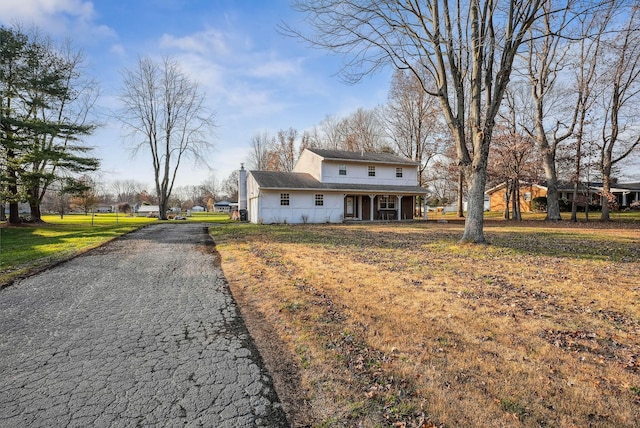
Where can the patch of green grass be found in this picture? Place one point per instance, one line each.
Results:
(210, 218)
(303, 354)
(31, 246)
(28, 247)
(513, 407)
(98, 219)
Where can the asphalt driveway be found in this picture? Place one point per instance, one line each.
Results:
(142, 331)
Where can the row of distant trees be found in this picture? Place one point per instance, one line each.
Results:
(124, 195)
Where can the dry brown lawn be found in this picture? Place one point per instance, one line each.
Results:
(399, 325)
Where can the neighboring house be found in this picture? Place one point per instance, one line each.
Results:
(222, 207)
(528, 192)
(331, 186)
(148, 210)
(453, 207)
(104, 209)
(625, 194)
(197, 209)
(225, 207)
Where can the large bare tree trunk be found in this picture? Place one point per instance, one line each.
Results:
(507, 199)
(553, 205)
(460, 193)
(606, 193)
(474, 223)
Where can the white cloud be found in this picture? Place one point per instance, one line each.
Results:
(58, 17)
(204, 43)
(45, 13)
(276, 68)
(117, 49)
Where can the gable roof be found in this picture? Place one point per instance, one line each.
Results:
(522, 184)
(276, 180)
(369, 157)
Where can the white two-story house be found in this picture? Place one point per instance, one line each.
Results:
(331, 186)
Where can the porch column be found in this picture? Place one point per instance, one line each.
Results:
(371, 197)
(624, 199)
(399, 207)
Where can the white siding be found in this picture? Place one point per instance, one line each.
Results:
(301, 208)
(253, 202)
(310, 163)
(358, 173)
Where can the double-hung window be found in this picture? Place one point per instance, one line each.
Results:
(284, 199)
(399, 172)
(372, 171)
(386, 202)
(319, 200)
(342, 169)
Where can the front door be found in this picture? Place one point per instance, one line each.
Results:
(350, 207)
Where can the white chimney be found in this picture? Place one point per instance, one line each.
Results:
(242, 188)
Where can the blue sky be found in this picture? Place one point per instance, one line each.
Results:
(255, 79)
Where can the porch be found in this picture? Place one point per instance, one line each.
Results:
(382, 207)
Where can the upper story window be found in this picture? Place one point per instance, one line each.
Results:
(284, 199)
(527, 196)
(372, 171)
(399, 172)
(319, 200)
(342, 169)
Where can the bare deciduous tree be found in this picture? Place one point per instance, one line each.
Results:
(331, 132)
(619, 101)
(362, 132)
(458, 48)
(592, 29)
(513, 155)
(282, 151)
(126, 190)
(166, 115)
(414, 121)
(230, 186)
(258, 155)
(546, 55)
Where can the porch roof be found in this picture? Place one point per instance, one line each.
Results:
(273, 180)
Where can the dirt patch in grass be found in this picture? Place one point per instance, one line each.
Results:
(399, 325)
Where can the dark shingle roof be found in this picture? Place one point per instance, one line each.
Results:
(288, 180)
(342, 155)
(304, 181)
(627, 186)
